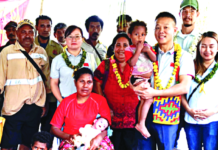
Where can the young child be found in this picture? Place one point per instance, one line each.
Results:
(140, 55)
(87, 134)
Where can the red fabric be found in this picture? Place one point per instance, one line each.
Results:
(128, 55)
(85, 64)
(76, 115)
(123, 102)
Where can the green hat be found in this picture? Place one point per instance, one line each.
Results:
(193, 3)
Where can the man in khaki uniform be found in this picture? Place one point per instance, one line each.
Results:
(25, 92)
(43, 26)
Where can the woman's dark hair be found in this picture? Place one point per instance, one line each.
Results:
(167, 15)
(93, 19)
(119, 35)
(70, 29)
(137, 23)
(42, 137)
(82, 71)
(199, 66)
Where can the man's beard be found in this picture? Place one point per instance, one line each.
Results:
(187, 25)
(44, 38)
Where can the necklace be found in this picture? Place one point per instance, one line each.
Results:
(118, 77)
(192, 48)
(207, 78)
(68, 63)
(157, 79)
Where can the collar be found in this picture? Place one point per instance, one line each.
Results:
(168, 52)
(84, 40)
(38, 43)
(18, 47)
(193, 33)
(68, 54)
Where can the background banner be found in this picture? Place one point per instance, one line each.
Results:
(10, 10)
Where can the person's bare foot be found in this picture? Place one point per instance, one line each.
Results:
(143, 130)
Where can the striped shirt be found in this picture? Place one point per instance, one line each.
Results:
(23, 84)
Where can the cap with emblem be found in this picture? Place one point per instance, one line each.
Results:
(192, 3)
(10, 24)
(25, 22)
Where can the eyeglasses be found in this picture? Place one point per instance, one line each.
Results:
(185, 12)
(77, 37)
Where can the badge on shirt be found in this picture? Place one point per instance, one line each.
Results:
(172, 64)
(86, 64)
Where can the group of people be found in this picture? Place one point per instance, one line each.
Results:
(145, 94)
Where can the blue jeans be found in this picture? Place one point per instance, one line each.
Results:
(165, 135)
(197, 134)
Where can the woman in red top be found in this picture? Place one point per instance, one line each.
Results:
(121, 98)
(79, 109)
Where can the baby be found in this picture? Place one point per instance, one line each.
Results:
(140, 56)
(86, 134)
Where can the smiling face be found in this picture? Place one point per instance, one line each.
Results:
(208, 49)
(165, 30)
(138, 35)
(100, 124)
(189, 16)
(74, 40)
(84, 85)
(119, 49)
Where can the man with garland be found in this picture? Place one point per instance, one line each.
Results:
(43, 26)
(94, 26)
(25, 92)
(173, 72)
(188, 36)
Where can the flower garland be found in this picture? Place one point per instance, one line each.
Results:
(157, 79)
(207, 78)
(192, 49)
(118, 77)
(67, 61)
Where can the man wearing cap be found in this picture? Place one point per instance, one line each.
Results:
(11, 33)
(94, 26)
(43, 26)
(188, 36)
(59, 31)
(25, 92)
(123, 24)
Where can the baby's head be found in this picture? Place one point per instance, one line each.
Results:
(100, 124)
(137, 31)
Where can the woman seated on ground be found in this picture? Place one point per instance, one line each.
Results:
(201, 103)
(79, 109)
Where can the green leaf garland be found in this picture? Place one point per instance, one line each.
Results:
(79, 65)
(209, 76)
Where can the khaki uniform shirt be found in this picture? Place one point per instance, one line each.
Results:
(23, 84)
(52, 49)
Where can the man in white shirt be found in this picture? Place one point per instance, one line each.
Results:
(188, 36)
(94, 26)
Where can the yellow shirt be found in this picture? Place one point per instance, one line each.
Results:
(23, 84)
(52, 49)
